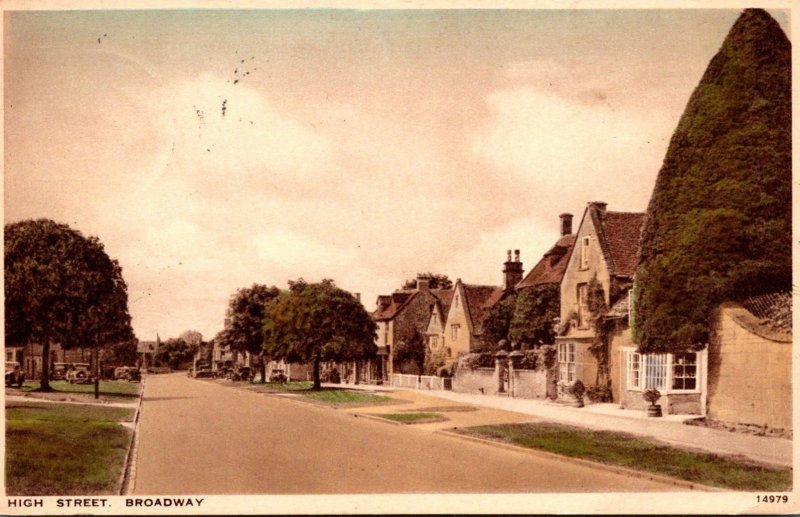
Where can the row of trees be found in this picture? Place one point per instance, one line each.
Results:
(309, 322)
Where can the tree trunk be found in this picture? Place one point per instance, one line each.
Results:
(44, 384)
(262, 366)
(96, 372)
(317, 383)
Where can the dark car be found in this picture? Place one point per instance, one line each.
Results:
(79, 374)
(59, 372)
(277, 376)
(14, 374)
(127, 373)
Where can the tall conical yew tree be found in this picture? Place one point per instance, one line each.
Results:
(719, 221)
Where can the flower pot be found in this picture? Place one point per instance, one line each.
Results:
(654, 410)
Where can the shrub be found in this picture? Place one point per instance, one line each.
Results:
(476, 360)
(599, 394)
(530, 361)
(651, 395)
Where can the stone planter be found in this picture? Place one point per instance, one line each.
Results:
(654, 410)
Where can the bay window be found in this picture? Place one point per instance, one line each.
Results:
(665, 372)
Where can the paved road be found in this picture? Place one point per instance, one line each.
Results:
(199, 437)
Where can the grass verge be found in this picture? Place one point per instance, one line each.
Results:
(414, 418)
(338, 397)
(110, 389)
(64, 449)
(636, 453)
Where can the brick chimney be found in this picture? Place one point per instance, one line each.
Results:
(423, 284)
(599, 205)
(512, 271)
(566, 224)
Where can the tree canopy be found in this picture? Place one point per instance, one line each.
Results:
(435, 281)
(535, 313)
(318, 322)
(61, 288)
(719, 220)
(244, 320)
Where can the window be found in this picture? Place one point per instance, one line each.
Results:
(566, 362)
(455, 301)
(684, 371)
(655, 366)
(583, 306)
(434, 341)
(585, 253)
(454, 331)
(634, 370)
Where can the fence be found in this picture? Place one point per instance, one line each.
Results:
(421, 382)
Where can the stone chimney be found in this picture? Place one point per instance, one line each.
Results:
(512, 271)
(423, 284)
(599, 205)
(358, 296)
(566, 224)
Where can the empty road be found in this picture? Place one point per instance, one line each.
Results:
(200, 437)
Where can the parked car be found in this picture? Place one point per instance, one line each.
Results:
(277, 376)
(127, 373)
(240, 373)
(79, 374)
(14, 374)
(59, 372)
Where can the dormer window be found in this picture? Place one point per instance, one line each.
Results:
(585, 253)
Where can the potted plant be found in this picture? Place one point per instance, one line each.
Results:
(577, 389)
(652, 395)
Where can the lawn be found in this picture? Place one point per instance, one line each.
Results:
(414, 418)
(64, 449)
(633, 452)
(112, 389)
(337, 397)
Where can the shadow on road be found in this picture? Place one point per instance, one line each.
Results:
(158, 399)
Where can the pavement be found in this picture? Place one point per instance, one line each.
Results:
(200, 437)
(609, 417)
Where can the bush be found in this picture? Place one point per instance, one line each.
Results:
(479, 360)
(599, 394)
(652, 395)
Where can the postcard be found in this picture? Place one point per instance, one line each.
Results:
(426, 258)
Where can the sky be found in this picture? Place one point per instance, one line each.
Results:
(209, 150)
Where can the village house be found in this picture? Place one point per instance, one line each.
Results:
(462, 329)
(30, 357)
(606, 249)
(403, 317)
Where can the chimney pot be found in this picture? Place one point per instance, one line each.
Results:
(516, 255)
(358, 296)
(566, 224)
(509, 255)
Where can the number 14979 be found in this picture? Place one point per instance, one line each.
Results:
(772, 498)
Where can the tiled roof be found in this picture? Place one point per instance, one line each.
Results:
(479, 299)
(550, 269)
(775, 309)
(619, 234)
(444, 298)
(390, 305)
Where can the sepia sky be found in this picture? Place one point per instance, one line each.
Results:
(209, 150)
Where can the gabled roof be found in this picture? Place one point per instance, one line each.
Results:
(619, 234)
(478, 300)
(146, 347)
(390, 305)
(550, 269)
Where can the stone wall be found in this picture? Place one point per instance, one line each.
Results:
(749, 371)
(529, 384)
(477, 381)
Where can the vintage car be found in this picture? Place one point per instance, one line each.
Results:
(277, 376)
(79, 374)
(127, 373)
(14, 374)
(59, 371)
(240, 373)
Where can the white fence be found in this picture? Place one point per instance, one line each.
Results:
(421, 382)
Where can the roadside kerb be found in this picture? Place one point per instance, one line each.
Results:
(588, 463)
(377, 419)
(128, 477)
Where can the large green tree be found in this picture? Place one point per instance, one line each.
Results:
(61, 288)
(719, 221)
(535, 312)
(244, 321)
(318, 322)
(175, 353)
